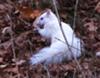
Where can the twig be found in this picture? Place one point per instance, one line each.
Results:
(55, 7)
(27, 74)
(74, 73)
(46, 68)
(12, 42)
(30, 44)
(68, 44)
(25, 22)
(75, 13)
(74, 26)
(74, 22)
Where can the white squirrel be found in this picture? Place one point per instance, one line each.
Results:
(47, 26)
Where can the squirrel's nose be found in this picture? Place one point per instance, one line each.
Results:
(40, 26)
(36, 32)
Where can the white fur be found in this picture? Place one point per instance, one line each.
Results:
(58, 50)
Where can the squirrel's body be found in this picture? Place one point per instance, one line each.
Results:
(48, 26)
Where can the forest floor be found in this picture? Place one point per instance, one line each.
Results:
(18, 41)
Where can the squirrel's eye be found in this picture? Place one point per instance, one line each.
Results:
(41, 18)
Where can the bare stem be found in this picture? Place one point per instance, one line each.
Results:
(56, 10)
(13, 47)
(46, 68)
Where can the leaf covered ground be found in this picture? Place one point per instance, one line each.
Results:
(18, 41)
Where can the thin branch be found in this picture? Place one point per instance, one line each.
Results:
(56, 10)
(30, 44)
(55, 7)
(75, 14)
(74, 26)
(68, 44)
(13, 46)
(48, 73)
(74, 22)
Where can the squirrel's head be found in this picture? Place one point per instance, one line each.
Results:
(43, 23)
(46, 17)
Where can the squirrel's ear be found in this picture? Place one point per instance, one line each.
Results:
(48, 11)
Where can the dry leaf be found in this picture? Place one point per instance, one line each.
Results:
(20, 62)
(2, 7)
(1, 59)
(3, 66)
(6, 45)
(98, 54)
(6, 30)
(2, 52)
(97, 8)
(11, 69)
(27, 12)
(91, 26)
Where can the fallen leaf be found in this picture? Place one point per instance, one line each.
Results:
(11, 69)
(90, 26)
(2, 7)
(20, 62)
(27, 12)
(97, 8)
(98, 54)
(1, 59)
(3, 66)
